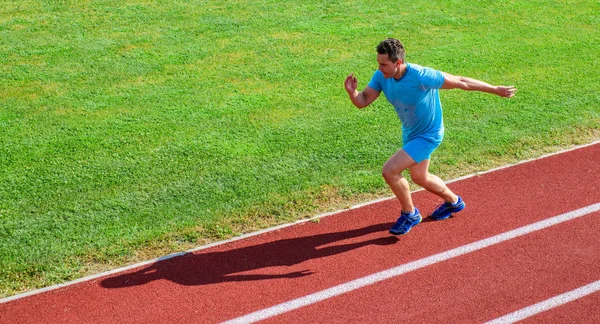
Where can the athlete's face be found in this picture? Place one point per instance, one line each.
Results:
(387, 67)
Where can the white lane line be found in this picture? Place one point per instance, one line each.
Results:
(548, 304)
(408, 267)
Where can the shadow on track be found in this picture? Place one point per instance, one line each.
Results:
(215, 267)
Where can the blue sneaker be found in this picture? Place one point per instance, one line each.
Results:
(405, 222)
(446, 209)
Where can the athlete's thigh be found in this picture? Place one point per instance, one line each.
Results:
(398, 162)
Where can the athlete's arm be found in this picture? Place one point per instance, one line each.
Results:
(468, 84)
(363, 98)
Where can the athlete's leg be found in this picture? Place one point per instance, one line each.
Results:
(420, 175)
(392, 173)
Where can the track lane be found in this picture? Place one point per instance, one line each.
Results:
(475, 287)
(583, 310)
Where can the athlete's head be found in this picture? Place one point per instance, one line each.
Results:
(393, 48)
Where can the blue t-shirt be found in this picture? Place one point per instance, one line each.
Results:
(416, 99)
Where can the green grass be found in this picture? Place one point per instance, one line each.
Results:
(130, 129)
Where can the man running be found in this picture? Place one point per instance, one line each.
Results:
(413, 91)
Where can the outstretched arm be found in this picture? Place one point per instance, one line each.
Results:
(359, 99)
(468, 84)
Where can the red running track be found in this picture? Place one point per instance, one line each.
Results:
(245, 276)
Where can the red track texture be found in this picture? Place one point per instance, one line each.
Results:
(240, 277)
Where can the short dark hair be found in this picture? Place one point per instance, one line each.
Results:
(393, 48)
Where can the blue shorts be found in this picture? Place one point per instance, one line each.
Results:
(420, 148)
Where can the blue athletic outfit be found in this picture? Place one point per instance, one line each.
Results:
(416, 99)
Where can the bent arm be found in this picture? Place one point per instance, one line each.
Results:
(359, 99)
(363, 98)
(468, 84)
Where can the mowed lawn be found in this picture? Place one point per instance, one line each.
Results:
(133, 129)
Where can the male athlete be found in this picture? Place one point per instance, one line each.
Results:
(413, 91)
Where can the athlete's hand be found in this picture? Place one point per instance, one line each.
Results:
(506, 92)
(351, 83)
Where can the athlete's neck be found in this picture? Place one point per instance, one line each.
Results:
(401, 71)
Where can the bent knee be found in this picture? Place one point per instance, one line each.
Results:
(386, 173)
(390, 173)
